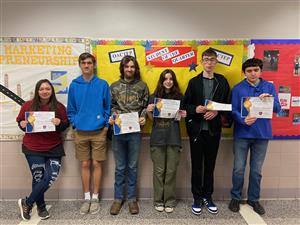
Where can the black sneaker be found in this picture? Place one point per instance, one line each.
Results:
(256, 207)
(234, 205)
(210, 205)
(24, 209)
(43, 212)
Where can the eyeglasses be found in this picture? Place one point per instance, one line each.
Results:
(213, 60)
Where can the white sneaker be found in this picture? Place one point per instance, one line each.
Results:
(169, 209)
(159, 208)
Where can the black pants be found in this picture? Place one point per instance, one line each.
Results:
(204, 152)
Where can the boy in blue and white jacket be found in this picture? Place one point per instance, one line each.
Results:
(250, 133)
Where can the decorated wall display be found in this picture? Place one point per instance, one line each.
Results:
(282, 67)
(183, 57)
(23, 62)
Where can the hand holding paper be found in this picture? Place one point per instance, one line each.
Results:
(23, 123)
(142, 121)
(150, 107)
(249, 120)
(264, 95)
(200, 109)
(55, 121)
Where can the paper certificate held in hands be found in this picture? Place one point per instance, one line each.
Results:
(211, 105)
(257, 107)
(39, 122)
(126, 123)
(165, 108)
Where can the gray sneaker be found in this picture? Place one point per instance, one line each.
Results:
(85, 208)
(94, 208)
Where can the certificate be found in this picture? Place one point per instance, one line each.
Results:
(39, 122)
(211, 105)
(126, 123)
(165, 108)
(256, 107)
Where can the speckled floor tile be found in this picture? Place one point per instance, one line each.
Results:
(282, 212)
(67, 212)
(9, 212)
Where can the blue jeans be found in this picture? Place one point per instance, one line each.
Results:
(126, 148)
(44, 172)
(258, 149)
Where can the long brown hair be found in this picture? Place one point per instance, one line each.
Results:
(36, 102)
(126, 59)
(160, 91)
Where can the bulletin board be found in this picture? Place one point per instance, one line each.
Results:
(281, 66)
(182, 56)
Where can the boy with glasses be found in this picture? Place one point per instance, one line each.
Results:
(204, 129)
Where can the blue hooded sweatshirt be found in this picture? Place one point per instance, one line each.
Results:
(261, 128)
(88, 104)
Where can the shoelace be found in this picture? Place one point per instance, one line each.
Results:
(208, 202)
(27, 208)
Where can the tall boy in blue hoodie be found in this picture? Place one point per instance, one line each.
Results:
(251, 134)
(88, 111)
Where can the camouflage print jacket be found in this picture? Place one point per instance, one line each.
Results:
(129, 97)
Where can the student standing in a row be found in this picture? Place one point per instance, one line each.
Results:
(165, 144)
(204, 129)
(128, 94)
(43, 150)
(250, 135)
(88, 110)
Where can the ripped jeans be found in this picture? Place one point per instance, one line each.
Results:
(44, 172)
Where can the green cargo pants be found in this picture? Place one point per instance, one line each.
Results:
(165, 161)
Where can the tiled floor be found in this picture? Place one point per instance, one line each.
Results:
(285, 212)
